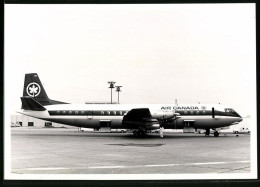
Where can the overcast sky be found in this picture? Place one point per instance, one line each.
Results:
(158, 53)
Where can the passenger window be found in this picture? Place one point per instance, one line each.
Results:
(82, 112)
(58, 112)
(76, 112)
(108, 112)
(102, 113)
(70, 112)
(121, 113)
(64, 112)
(198, 112)
(204, 112)
(185, 112)
(191, 112)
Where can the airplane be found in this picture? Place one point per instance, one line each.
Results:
(138, 118)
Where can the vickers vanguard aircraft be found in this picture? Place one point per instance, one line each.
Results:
(140, 119)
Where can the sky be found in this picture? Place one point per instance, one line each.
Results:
(193, 53)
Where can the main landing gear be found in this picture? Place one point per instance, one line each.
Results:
(143, 132)
(207, 132)
(139, 132)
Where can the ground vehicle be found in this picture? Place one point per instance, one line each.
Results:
(118, 130)
(242, 130)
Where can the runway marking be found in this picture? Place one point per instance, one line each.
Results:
(136, 166)
(167, 165)
(108, 167)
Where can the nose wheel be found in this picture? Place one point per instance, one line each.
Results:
(216, 133)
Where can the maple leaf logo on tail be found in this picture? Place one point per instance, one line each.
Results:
(33, 89)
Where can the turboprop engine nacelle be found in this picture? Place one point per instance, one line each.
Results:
(159, 114)
(149, 124)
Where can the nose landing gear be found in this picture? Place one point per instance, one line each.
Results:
(216, 133)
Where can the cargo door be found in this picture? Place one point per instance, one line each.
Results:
(105, 125)
(188, 126)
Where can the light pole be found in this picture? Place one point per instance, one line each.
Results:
(118, 90)
(111, 85)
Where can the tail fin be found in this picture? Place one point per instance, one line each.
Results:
(34, 88)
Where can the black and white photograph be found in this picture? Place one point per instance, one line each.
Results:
(130, 91)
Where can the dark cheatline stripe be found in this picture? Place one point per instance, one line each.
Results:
(122, 112)
(87, 112)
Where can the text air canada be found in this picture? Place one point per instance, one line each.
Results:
(182, 108)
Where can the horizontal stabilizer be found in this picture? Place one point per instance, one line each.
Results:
(28, 103)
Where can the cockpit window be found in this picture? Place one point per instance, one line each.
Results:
(229, 110)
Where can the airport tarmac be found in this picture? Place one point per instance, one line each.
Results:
(69, 151)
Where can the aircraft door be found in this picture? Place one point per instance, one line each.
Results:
(188, 126)
(105, 125)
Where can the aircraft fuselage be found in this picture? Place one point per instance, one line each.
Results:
(111, 115)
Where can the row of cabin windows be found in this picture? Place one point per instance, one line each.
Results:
(194, 112)
(114, 112)
(92, 112)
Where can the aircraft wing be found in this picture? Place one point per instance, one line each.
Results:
(138, 114)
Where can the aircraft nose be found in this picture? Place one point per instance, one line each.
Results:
(237, 115)
(240, 119)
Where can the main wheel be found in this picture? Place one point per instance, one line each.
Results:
(142, 133)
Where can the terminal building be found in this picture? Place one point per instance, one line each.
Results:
(26, 121)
